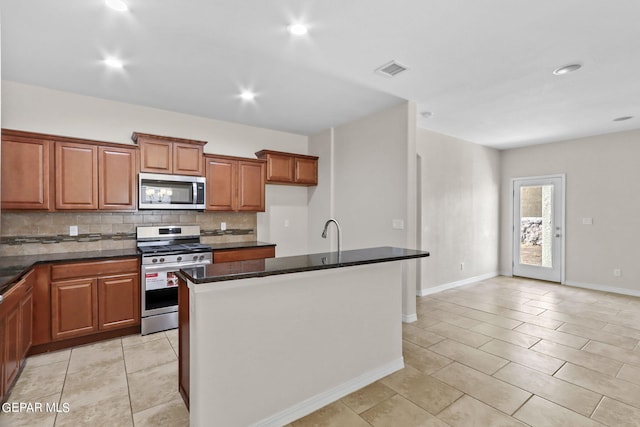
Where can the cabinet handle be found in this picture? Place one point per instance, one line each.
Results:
(1, 299)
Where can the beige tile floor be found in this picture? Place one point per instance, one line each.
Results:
(501, 352)
(507, 352)
(130, 381)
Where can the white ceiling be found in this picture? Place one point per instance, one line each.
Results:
(484, 68)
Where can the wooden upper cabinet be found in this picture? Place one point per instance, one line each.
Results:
(117, 178)
(279, 168)
(163, 154)
(26, 172)
(290, 168)
(76, 176)
(187, 159)
(156, 156)
(251, 180)
(306, 171)
(222, 183)
(235, 184)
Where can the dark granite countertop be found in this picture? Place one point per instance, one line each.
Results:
(12, 267)
(239, 245)
(295, 264)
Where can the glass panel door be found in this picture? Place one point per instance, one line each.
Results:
(537, 230)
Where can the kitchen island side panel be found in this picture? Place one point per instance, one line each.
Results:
(266, 351)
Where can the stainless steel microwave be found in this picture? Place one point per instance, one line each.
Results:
(158, 191)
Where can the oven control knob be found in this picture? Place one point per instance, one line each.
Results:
(154, 260)
(161, 259)
(179, 259)
(195, 257)
(201, 257)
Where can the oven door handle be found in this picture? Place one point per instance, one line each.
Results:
(159, 268)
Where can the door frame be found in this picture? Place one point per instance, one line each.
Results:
(562, 220)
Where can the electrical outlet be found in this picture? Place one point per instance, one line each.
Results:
(223, 226)
(587, 221)
(617, 272)
(73, 230)
(286, 222)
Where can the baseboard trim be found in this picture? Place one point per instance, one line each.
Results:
(451, 285)
(322, 399)
(506, 273)
(409, 318)
(604, 288)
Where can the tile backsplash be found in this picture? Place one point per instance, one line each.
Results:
(32, 233)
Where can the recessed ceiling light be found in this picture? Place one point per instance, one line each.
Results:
(298, 29)
(247, 95)
(113, 62)
(426, 114)
(118, 5)
(622, 119)
(566, 69)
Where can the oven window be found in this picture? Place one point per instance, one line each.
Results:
(161, 298)
(166, 193)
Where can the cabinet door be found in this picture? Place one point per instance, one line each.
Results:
(12, 353)
(74, 308)
(156, 156)
(25, 168)
(119, 300)
(26, 321)
(2, 350)
(279, 168)
(221, 184)
(76, 176)
(251, 186)
(306, 171)
(187, 159)
(117, 178)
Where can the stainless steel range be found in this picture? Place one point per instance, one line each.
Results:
(165, 250)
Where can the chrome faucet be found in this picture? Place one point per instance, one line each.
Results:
(324, 232)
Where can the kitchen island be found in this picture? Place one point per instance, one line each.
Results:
(265, 342)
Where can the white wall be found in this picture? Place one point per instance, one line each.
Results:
(602, 183)
(370, 173)
(460, 198)
(320, 197)
(37, 109)
(369, 181)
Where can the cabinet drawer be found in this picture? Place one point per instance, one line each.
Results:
(243, 254)
(93, 269)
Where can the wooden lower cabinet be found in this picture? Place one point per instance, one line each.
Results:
(16, 314)
(119, 301)
(3, 345)
(12, 356)
(74, 308)
(183, 341)
(92, 297)
(243, 254)
(26, 322)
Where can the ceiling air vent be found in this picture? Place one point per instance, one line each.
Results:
(391, 69)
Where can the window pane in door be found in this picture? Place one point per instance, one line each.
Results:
(536, 225)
